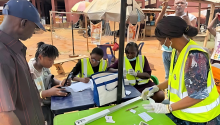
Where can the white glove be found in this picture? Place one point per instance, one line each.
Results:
(148, 92)
(124, 72)
(157, 108)
(132, 72)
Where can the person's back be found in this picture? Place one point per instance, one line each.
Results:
(20, 104)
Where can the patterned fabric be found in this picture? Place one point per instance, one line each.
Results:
(196, 71)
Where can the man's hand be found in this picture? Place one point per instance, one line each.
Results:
(9, 118)
(186, 18)
(165, 4)
(85, 80)
(217, 14)
(55, 91)
(68, 83)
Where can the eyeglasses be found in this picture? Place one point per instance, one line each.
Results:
(180, 3)
(94, 60)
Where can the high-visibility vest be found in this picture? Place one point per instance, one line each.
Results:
(86, 67)
(140, 61)
(203, 111)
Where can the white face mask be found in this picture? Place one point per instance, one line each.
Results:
(165, 47)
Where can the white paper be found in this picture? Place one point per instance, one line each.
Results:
(80, 86)
(145, 116)
(133, 111)
(109, 119)
(127, 92)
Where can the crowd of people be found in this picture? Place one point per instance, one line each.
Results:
(25, 90)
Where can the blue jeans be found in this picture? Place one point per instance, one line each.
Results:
(166, 62)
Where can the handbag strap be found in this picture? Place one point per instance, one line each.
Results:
(48, 81)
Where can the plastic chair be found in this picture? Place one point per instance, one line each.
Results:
(107, 56)
(140, 47)
(155, 79)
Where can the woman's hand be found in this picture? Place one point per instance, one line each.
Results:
(148, 92)
(55, 91)
(68, 83)
(157, 108)
(132, 72)
(85, 80)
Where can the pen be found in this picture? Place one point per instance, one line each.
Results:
(132, 108)
(151, 88)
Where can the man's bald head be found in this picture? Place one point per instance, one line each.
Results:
(180, 6)
(17, 27)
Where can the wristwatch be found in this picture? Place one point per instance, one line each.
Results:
(170, 108)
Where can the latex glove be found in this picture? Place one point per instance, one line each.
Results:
(124, 72)
(157, 108)
(132, 72)
(148, 92)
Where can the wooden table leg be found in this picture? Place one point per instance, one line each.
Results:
(59, 69)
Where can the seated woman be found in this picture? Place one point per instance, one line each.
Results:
(137, 70)
(88, 66)
(39, 68)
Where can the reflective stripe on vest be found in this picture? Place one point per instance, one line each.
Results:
(87, 70)
(203, 111)
(138, 68)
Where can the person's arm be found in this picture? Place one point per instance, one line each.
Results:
(165, 4)
(76, 70)
(163, 85)
(7, 106)
(210, 26)
(113, 67)
(143, 75)
(146, 70)
(185, 103)
(54, 91)
(56, 81)
(193, 22)
(196, 86)
(9, 118)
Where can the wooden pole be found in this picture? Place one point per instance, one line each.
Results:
(210, 19)
(51, 27)
(199, 17)
(87, 33)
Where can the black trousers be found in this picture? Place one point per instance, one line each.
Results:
(48, 114)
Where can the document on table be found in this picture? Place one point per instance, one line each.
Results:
(80, 86)
(145, 116)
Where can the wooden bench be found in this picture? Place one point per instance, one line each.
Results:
(59, 62)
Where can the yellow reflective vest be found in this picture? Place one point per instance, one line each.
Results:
(203, 111)
(140, 61)
(86, 67)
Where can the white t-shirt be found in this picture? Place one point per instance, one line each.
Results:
(191, 18)
(216, 52)
(38, 77)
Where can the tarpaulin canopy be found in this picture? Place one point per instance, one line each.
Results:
(110, 10)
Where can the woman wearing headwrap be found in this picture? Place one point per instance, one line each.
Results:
(194, 99)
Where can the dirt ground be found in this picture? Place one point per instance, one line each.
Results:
(62, 39)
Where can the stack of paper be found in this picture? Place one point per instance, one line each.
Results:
(80, 86)
(145, 116)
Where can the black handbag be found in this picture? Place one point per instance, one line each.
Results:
(48, 83)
